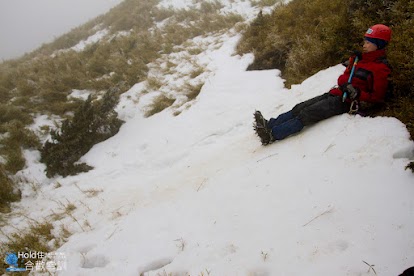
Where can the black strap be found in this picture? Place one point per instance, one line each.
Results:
(384, 60)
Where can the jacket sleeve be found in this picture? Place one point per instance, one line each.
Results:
(375, 91)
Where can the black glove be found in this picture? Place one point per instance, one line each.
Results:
(346, 63)
(354, 54)
(358, 54)
(352, 92)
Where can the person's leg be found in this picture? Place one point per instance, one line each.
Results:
(310, 112)
(325, 108)
(261, 128)
(287, 128)
(284, 117)
(301, 106)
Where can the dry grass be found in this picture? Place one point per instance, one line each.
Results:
(36, 238)
(160, 103)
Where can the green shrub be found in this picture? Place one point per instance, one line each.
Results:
(306, 59)
(139, 15)
(270, 48)
(26, 88)
(7, 193)
(93, 122)
(401, 49)
(14, 159)
(9, 113)
(16, 138)
(299, 38)
(410, 166)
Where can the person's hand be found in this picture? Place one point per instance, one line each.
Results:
(352, 92)
(350, 62)
(357, 54)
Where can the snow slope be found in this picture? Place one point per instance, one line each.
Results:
(196, 194)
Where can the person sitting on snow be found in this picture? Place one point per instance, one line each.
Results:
(365, 81)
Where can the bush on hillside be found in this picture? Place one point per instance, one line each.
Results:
(16, 138)
(304, 36)
(138, 15)
(93, 122)
(10, 113)
(401, 49)
(410, 166)
(7, 193)
(37, 237)
(299, 38)
(160, 103)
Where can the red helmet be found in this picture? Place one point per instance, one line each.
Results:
(379, 31)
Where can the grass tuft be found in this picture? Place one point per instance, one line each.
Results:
(36, 238)
(160, 103)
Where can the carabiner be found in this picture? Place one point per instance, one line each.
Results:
(354, 107)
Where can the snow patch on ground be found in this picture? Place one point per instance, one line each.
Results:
(197, 193)
(79, 94)
(90, 40)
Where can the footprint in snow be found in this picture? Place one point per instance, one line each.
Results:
(95, 261)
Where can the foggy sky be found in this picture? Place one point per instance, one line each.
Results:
(26, 24)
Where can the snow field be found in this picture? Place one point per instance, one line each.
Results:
(196, 194)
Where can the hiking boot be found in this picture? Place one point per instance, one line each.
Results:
(262, 130)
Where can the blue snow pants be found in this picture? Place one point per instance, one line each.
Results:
(307, 113)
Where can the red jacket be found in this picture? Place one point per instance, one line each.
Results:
(370, 77)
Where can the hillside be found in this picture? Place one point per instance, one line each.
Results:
(190, 190)
(112, 52)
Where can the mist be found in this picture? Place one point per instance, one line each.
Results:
(26, 24)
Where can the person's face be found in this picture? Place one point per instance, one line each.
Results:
(368, 46)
